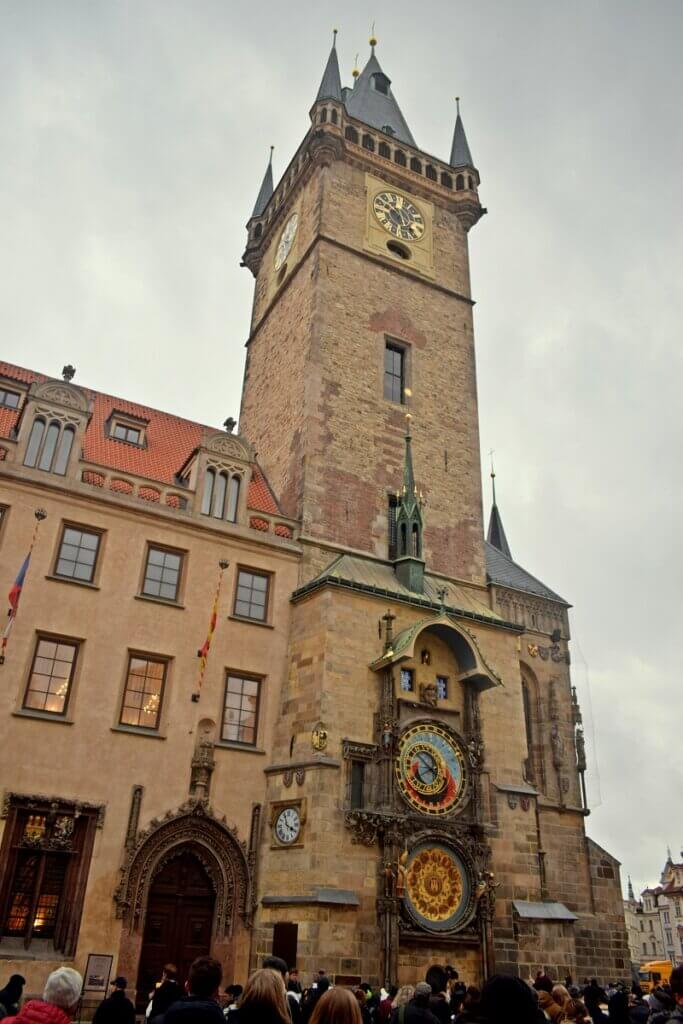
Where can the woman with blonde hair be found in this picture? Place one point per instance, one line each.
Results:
(337, 1006)
(403, 996)
(263, 1000)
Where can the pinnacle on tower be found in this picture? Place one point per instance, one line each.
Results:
(409, 563)
(372, 101)
(460, 151)
(266, 190)
(630, 890)
(330, 86)
(496, 533)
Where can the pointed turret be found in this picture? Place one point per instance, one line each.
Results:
(496, 533)
(460, 151)
(372, 101)
(409, 563)
(330, 87)
(631, 895)
(266, 190)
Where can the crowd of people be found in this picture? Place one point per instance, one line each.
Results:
(274, 995)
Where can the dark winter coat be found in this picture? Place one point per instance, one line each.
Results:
(117, 1009)
(193, 1010)
(413, 1014)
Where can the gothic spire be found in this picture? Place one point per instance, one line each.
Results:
(630, 890)
(409, 563)
(372, 101)
(460, 151)
(496, 533)
(330, 86)
(266, 190)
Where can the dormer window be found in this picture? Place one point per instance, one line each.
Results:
(122, 432)
(221, 494)
(9, 399)
(49, 446)
(127, 428)
(380, 83)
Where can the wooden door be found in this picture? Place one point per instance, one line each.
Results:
(178, 924)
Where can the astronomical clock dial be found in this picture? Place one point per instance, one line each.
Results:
(430, 769)
(398, 216)
(286, 240)
(288, 826)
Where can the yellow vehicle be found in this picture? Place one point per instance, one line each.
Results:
(654, 973)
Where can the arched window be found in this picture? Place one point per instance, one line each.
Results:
(335, 116)
(369, 143)
(404, 540)
(470, 181)
(49, 446)
(415, 165)
(459, 183)
(233, 498)
(528, 723)
(208, 492)
(416, 541)
(33, 446)
(258, 230)
(219, 496)
(323, 114)
(400, 158)
(64, 450)
(446, 180)
(431, 172)
(351, 134)
(384, 150)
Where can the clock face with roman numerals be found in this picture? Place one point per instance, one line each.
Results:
(288, 825)
(398, 216)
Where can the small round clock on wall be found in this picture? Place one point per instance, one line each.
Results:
(286, 241)
(288, 826)
(398, 216)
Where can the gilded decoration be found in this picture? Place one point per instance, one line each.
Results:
(437, 889)
(430, 769)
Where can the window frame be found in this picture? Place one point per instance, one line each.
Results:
(269, 577)
(60, 454)
(147, 656)
(94, 531)
(248, 677)
(411, 689)
(43, 712)
(166, 550)
(5, 390)
(392, 344)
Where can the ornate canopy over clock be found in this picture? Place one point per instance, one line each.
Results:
(288, 826)
(286, 240)
(430, 769)
(398, 215)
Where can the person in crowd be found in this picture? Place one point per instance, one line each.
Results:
(552, 1010)
(232, 998)
(417, 1010)
(437, 979)
(675, 1016)
(337, 1006)
(509, 1000)
(638, 1009)
(560, 994)
(11, 994)
(469, 1013)
(362, 1000)
(403, 996)
(617, 1008)
(660, 1001)
(594, 998)
(276, 963)
(316, 993)
(594, 992)
(542, 982)
(385, 1005)
(455, 986)
(575, 1010)
(200, 1005)
(61, 997)
(168, 991)
(294, 985)
(263, 1001)
(116, 1008)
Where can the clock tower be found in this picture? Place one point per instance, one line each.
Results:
(424, 798)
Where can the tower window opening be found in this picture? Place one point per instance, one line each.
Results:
(459, 183)
(446, 180)
(323, 114)
(399, 250)
(431, 172)
(400, 158)
(470, 181)
(384, 150)
(258, 230)
(351, 134)
(415, 541)
(369, 143)
(415, 165)
(334, 116)
(380, 83)
(394, 373)
(404, 541)
(357, 785)
(392, 505)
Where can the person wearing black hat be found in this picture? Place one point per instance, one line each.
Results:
(10, 995)
(116, 1008)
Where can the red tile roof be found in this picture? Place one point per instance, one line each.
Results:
(170, 440)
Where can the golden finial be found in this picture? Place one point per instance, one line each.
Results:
(373, 37)
(355, 71)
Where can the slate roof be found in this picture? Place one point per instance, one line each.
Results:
(170, 440)
(330, 86)
(501, 569)
(373, 108)
(266, 190)
(460, 151)
(496, 533)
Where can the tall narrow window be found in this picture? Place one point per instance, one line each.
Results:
(394, 373)
(162, 573)
(407, 680)
(51, 675)
(64, 451)
(357, 784)
(233, 498)
(34, 442)
(251, 599)
(220, 487)
(240, 709)
(442, 687)
(77, 554)
(207, 499)
(391, 526)
(49, 446)
(49, 449)
(144, 692)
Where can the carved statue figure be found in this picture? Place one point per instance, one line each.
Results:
(580, 750)
(429, 694)
(557, 744)
(401, 874)
(390, 876)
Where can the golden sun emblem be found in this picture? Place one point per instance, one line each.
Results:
(434, 884)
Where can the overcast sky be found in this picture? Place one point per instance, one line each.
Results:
(133, 137)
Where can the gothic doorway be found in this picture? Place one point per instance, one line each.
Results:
(178, 922)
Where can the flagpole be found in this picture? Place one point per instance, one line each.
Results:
(39, 514)
(203, 652)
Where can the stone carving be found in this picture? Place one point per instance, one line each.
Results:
(553, 652)
(195, 827)
(324, 148)
(287, 777)
(359, 751)
(134, 816)
(512, 801)
(580, 750)
(228, 444)
(525, 802)
(553, 707)
(319, 737)
(429, 694)
(475, 751)
(30, 801)
(300, 775)
(203, 762)
(557, 745)
(62, 393)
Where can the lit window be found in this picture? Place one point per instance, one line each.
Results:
(394, 373)
(442, 687)
(141, 706)
(9, 399)
(407, 680)
(122, 432)
(77, 554)
(51, 675)
(49, 446)
(251, 600)
(240, 709)
(162, 574)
